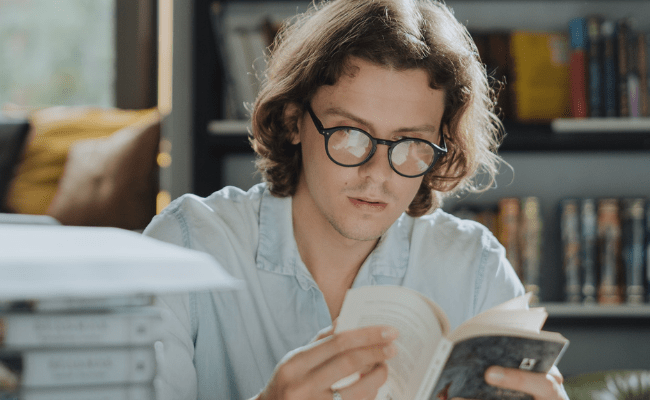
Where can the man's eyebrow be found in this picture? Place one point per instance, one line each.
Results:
(343, 113)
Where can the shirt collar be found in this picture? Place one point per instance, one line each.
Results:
(278, 251)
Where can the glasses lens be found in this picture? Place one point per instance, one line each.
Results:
(349, 146)
(412, 157)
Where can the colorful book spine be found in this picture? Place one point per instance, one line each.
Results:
(531, 239)
(609, 242)
(588, 245)
(578, 67)
(633, 242)
(609, 69)
(22, 330)
(622, 33)
(59, 368)
(508, 229)
(595, 66)
(570, 228)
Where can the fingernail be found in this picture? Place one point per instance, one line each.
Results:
(389, 333)
(494, 375)
(390, 350)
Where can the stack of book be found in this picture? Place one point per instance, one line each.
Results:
(76, 314)
(78, 348)
(606, 250)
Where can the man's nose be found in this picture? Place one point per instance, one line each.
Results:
(377, 168)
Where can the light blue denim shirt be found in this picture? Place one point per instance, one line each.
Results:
(225, 345)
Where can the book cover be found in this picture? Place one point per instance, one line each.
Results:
(114, 392)
(570, 227)
(58, 368)
(540, 65)
(531, 242)
(609, 244)
(508, 231)
(609, 71)
(595, 66)
(129, 327)
(434, 362)
(633, 242)
(589, 250)
(578, 67)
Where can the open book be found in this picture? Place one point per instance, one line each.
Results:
(434, 362)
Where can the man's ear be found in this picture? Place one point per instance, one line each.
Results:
(292, 121)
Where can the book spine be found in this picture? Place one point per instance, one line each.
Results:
(595, 73)
(531, 231)
(500, 60)
(622, 29)
(642, 51)
(578, 67)
(570, 227)
(633, 242)
(59, 330)
(117, 392)
(588, 244)
(647, 250)
(64, 304)
(609, 69)
(633, 81)
(57, 368)
(609, 241)
(508, 227)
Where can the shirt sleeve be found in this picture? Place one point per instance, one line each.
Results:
(176, 378)
(497, 281)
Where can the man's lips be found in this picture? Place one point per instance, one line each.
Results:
(368, 204)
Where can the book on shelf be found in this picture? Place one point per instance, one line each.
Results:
(570, 233)
(594, 32)
(531, 243)
(622, 35)
(609, 74)
(107, 392)
(433, 361)
(633, 241)
(609, 244)
(33, 368)
(540, 65)
(589, 249)
(578, 67)
(647, 249)
(118, 327)
(641, 45)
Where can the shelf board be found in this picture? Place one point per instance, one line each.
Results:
(523, 137)
(601, 125)
(565, 310)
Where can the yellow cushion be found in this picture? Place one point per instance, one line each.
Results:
(53, 131)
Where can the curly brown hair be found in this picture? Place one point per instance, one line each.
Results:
(312, 50)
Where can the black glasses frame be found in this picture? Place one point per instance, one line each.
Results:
(438, 151)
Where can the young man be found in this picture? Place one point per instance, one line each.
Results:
(371, 112)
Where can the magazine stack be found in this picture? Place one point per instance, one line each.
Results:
(77, 313)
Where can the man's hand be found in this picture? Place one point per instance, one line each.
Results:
(540, 386)
(309, 372)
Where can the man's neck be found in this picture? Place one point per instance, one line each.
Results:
(332, 259)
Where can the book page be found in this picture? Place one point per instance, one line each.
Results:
(49, 261)
(417, 321)
(513, 314)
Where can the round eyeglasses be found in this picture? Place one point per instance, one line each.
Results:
(350, 147)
